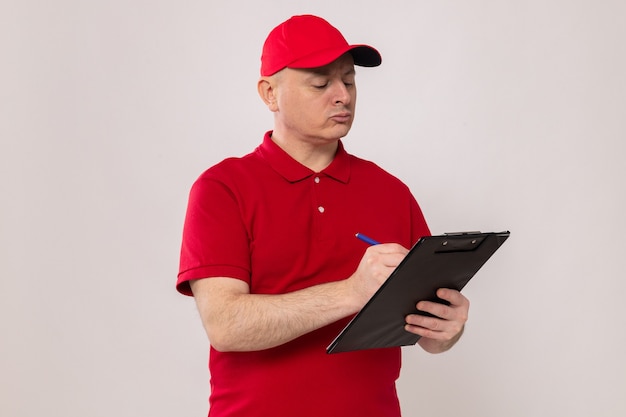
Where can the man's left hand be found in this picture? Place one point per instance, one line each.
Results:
(440, 333)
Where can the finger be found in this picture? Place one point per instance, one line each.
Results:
(432, 334)
(424, 332)
(425, 322)
(454, 297)
(436, 309)
(387, 259)
(432, 327)
(389, 248)
(426, 327)
(392, 260)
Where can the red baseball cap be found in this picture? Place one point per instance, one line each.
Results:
(309, 42)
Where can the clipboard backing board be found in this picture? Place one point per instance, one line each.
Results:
(442, 261)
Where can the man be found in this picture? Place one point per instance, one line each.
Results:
(269, 249)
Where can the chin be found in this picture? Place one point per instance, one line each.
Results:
(341, 131)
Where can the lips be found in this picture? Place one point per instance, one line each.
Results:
(342, 117)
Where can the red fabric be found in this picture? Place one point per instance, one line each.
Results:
(309, 42)
(258, 219)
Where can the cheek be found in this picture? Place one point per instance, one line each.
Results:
(294, 109)
(306, 110)
(292, 103)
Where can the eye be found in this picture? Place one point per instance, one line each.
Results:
(320, 86)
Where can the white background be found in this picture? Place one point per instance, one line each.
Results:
(498, 114)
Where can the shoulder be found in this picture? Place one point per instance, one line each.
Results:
(234, 178)
(233, 168)
(370, 171)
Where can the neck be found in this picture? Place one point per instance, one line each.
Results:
(314, 155)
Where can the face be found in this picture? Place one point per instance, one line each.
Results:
(316, 105)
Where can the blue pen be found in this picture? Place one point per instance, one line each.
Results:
(366, 239)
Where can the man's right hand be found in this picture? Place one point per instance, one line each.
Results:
(377, 264)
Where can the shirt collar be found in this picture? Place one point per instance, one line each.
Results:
(294, 171)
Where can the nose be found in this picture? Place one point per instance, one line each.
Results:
(341, 95)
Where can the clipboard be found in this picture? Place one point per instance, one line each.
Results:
(442, 261)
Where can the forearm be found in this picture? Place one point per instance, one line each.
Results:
(240, 321)
(236, 320)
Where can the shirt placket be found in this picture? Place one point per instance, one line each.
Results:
(321, 206)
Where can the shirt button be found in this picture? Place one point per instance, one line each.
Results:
(320, 209)
(317, 180)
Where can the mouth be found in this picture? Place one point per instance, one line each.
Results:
(342, 117)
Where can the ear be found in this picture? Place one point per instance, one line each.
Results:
(267, 91)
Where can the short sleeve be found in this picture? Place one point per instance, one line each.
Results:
(419, 227)
(215, 241)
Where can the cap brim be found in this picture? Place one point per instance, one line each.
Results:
(364, 56)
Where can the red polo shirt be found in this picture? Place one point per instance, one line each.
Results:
(275, 224)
